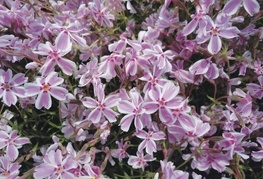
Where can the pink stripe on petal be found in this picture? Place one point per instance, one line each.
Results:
(9, 98)
(126, 122)
(19, 79)
(62, 42)
(67, 66)
(170, 91)
(251, 6)
(229, 32)
(81, 41)
(110, 115)
(125, 107)
(7, 75)
(199, 67)
(48, 67)
(215, 44)
(112, 101)
(89, 102)
(32, 89)
(190, 27)
(12, 151)
(43, 100)
(58, 157)
(19, 91)
(232, 6)
(21, 141)
(95, 116)
(58, 92)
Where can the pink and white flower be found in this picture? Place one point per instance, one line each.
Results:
(44, 88)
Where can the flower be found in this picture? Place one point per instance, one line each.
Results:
(134, 110)
(46, 87)
(102, 106)
(140, 161)
(101, 14)
(206, 68)
(120, 152)
(55, 166)
(8, 169)
(55, 55)
(232, 6)
(255, 89)
(163, 99)
(12, 142)
(258, 155)
(215, 30)
(149, 140)
(10, 87)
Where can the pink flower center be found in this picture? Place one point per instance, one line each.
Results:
(46, 87)
(101, 105)
(154, 80)
(6, 173)
(6, 86)
(162, 102)
(59, 169)
(214, 31)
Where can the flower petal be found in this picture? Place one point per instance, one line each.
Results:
(58, 92)
(215, 44)
(43, 100)
(251, 6)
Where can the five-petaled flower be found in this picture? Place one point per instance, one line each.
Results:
(12, 142)
(101, 107)
(10, 87)
(45, 88)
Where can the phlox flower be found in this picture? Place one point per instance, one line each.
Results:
(12, 142)
(70, 31)
(140, 160)
(101, 107)
(168, 171)
(153, 79)
(232, 6)
(258, 155)
(55, 166)
(244, 106)
(134, 62)
(233, 144)
(100, 13)
(193, 126)
(149, 140)
(198, 19)
(44, 88)
(163, 99)
(215, 30)
(107, 65)
(120, 152)
(205, 67)
(255, 89)
(4, 118)
(8, 169)
(159, 57)
(134, 110)
(209, 158)
(10, 87)
(55, 55)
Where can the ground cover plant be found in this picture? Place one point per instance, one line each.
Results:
(168, 89)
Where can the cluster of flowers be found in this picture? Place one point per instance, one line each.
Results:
(127, 88)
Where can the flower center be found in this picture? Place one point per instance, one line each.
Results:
(46, 87)
(6, 173)
(6, 86)
(215, 31)
(59, 169)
